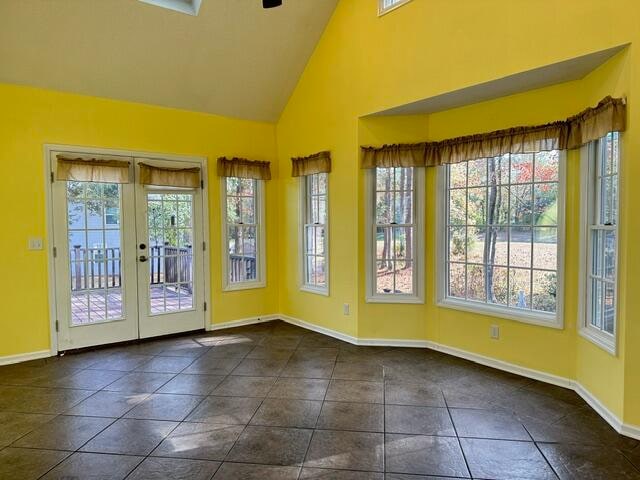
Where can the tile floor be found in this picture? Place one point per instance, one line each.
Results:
(274, 401)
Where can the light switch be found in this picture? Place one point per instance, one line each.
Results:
(35, 243)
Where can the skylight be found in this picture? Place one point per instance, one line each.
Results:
(190, 7)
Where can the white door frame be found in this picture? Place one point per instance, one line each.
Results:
(51, 273)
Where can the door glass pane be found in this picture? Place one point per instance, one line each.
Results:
(94, 238)
(170, 243)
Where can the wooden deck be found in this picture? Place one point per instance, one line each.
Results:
(92, 306)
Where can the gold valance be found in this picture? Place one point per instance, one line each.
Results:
(317, 163)
(243, 168)
(593, 123)
(169, 177)
(92, 170)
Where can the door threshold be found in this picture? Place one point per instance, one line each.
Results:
(137, 341)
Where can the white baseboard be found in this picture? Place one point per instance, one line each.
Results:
(505, 366)
(611, 418)
(316, 328)
(243, 321)
(24, 357)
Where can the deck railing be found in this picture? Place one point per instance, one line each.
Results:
(170, 264)
(241, 268)
(94, 268)
(98, 268)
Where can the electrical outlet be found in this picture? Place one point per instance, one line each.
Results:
(35, 243)
(345, 309)
(494, 332)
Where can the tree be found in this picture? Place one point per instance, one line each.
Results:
(494, 204)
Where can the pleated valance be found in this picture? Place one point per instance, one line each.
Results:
(243, 168)
(593, 123)
(92, 170)
(317, 163)
(169, 177)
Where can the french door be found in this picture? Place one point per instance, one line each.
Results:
(128, 257)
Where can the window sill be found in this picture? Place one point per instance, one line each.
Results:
(234, 287)
(315, 290)
(533, 318)
(599, 339)
(395, 298)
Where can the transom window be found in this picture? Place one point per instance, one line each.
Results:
(244, 235)
(502, 235)
(385, 6)
(396, 236)
(602, 239)
(314, 232)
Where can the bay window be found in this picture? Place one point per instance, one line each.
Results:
(600, 167)
(395, 235)
(502, 234)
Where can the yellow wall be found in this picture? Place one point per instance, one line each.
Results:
(31, 117)
(364, 64)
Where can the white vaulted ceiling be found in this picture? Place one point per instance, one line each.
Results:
(233, 58)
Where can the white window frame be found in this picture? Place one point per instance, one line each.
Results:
(261, 273)
(589, 190)
(418, 244)
(304, 221)
(382, 9)
(552, 320)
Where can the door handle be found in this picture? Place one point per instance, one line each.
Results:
(142, 258)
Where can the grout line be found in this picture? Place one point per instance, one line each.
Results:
(255, 342)
(324, 399)
(455, 430)
(540, 451)
(255, 411)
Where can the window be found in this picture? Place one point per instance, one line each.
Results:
(190, 7)
(600, 217)
(111, 215)
(503, 236)
(395, 235)
(244, 233)
(385, 6)
(314, 209)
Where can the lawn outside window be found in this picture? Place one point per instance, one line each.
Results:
(395, 235)
(501, 236)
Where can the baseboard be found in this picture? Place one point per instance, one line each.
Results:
(505, 366)
(243, 321)
(393, 342)
(612, 419)
(24, 357)
(316, 328)
(632, 431)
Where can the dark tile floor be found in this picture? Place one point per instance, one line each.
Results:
(274, 401)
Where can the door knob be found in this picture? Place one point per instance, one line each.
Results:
(142, 258)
